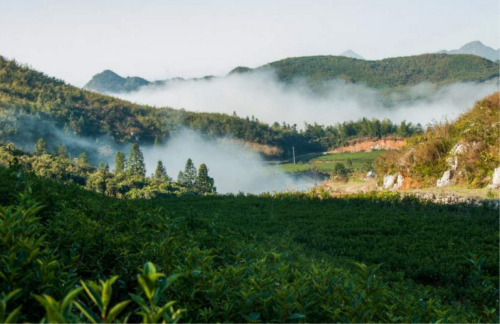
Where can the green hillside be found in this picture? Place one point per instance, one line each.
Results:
(386, 73)
(33, 106)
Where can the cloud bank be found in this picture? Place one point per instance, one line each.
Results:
(233, 167)
(259, 94)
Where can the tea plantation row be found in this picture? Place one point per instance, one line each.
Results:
(282, 258)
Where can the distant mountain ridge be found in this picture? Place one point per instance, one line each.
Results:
(388, 73)
(476, 48)
(110, 82)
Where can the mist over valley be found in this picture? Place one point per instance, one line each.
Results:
(249, 161)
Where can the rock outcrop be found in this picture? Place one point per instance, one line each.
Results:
(452, 161)
(446, 180)
(495, 182)
(399, 182)
(388, 182)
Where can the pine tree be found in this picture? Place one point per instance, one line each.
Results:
(83, 161)
(180, 178)
(62, 152)
(119, 163)
(40, 147)
(135, 164)
(160, 172)
(203, 183)
(189, 175)
(97, 181)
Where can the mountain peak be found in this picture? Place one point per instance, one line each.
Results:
(477, 48)
(110, 82)
(475, 45)
(108, 72)
(352, 54)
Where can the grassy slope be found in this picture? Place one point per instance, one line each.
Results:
(424, 157)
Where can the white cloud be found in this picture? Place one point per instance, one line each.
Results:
(259, 94)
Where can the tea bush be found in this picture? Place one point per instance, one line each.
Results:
(75, 256)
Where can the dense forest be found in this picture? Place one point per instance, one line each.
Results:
(29, 98)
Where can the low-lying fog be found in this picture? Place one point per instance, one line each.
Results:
(233, 167)
(259, 94)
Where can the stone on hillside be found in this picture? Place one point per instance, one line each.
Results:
(446, 180)
(370, 175)
(452, 161)
(458, 149)
(399, 182)
(495, 183)
(389, 180)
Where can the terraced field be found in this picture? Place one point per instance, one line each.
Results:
(361, 161)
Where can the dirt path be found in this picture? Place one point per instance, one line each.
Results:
(352, 187)
(363, 187)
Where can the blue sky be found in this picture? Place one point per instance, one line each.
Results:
(74, 40)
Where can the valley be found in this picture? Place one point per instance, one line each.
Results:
(228, 165)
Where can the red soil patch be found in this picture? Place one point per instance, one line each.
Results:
(370, 145)
(409, 183)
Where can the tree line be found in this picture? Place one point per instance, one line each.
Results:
(128, 178)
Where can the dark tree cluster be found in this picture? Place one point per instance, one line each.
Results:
(127, 179)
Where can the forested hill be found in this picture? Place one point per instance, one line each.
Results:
(387, 73)
(26, 94)
(109, 81)
(33, 106)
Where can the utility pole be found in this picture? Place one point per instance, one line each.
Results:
(293, 150)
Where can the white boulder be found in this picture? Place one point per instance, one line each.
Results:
(452, 161)
(458, 149)
(389, 181)
(495, 182)
(446, 180)
(399, 182)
